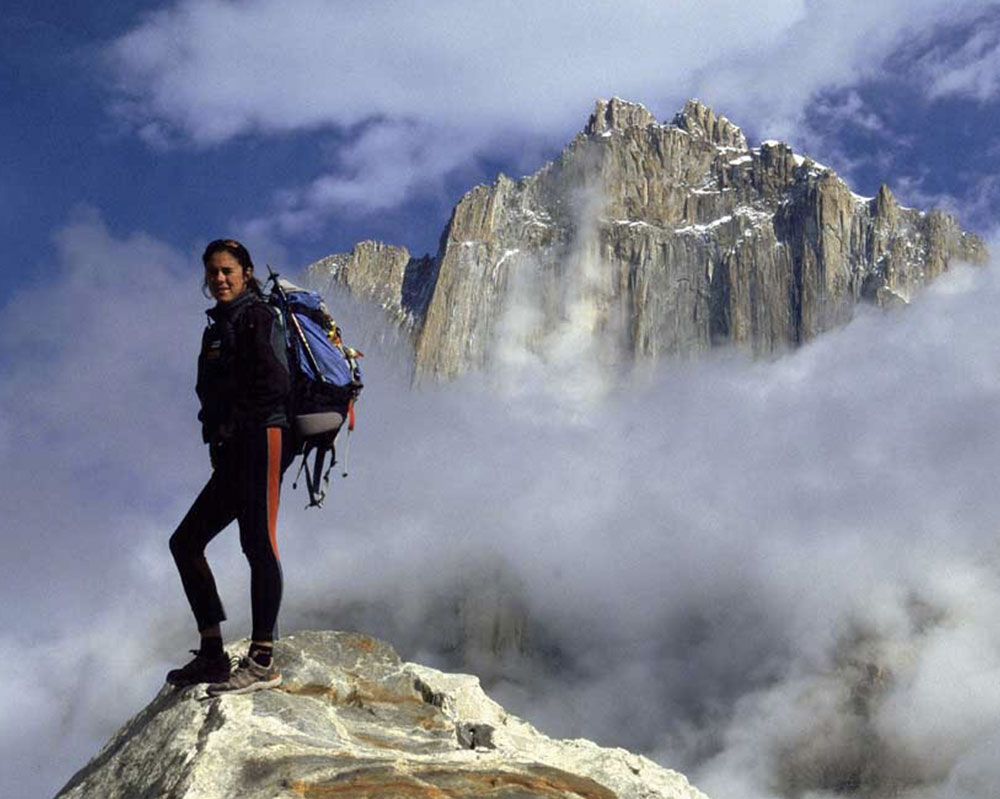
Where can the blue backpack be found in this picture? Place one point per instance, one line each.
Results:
(326, 380)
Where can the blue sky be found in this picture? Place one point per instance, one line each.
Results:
(133, 134)
(315, 129)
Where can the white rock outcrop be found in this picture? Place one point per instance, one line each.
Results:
(353, 720)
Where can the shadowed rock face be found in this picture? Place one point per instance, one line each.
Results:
(353, 720)
(686, 239)
(385, 275)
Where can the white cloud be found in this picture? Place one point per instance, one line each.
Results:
(975, 207)
(212, 70)
(468, 77)
(97, 381)
(851, 110)
(379, 170)
(96, 385)
(714, 561)
(971, 70)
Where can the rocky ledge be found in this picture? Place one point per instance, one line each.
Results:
(353, 720)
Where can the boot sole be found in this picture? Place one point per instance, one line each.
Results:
(263, 685)
(187, 683)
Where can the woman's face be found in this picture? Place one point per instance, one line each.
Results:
(225, 277)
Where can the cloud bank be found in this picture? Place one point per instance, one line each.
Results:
(209, 71)
(425, 91)
(779, 577)
(969, 70)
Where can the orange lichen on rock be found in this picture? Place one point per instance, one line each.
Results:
(535, 782)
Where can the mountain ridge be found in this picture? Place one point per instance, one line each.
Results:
(678, 236)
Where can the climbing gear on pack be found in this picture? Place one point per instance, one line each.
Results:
(326, 381)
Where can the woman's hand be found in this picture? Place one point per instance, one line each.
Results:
(216, 445)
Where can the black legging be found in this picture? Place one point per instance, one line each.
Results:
(245, 486)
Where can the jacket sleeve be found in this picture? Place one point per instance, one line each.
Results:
(262, 378)
(208, 413)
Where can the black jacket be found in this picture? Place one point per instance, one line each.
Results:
(243, 379)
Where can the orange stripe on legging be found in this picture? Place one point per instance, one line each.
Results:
(273, 485)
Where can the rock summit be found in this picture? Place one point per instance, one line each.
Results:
(352, 720)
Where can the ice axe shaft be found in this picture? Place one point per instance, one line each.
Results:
(273, 277)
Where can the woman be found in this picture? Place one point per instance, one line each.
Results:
(243, 385)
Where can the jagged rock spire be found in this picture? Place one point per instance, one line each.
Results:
(618, 114)
(886, 205)
(696, 118)
(700, 120)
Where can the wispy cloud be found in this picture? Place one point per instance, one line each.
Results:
(971, 69)
(976, 205)
(382, 168)
(92, 392)
(430, 89)
(736, 567)
(214, 70)
(96, 383)
(850, 110)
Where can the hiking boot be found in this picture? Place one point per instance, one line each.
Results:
(204, 668)
(248, 677)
